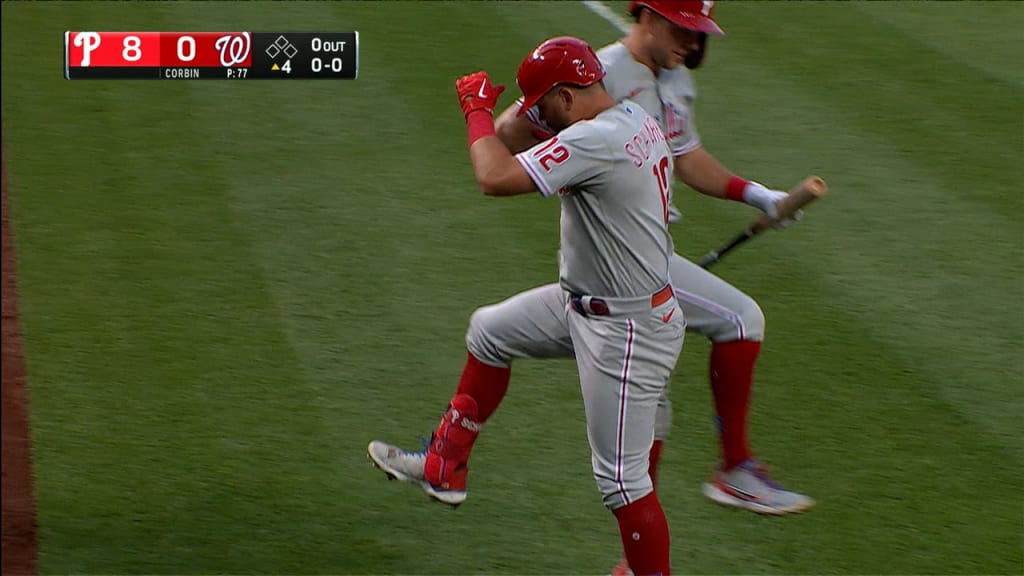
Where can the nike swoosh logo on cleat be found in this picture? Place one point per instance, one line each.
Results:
(668, 316)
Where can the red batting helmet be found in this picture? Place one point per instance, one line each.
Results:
(561, 60)
(691, 14)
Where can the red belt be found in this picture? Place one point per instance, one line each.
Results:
(661, 296)
(599, 307)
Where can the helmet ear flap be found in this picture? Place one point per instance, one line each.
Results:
(695, 59)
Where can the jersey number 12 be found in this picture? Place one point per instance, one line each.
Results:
(662, 170)
(549, 154)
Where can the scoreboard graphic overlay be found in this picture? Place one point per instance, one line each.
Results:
(211, 55)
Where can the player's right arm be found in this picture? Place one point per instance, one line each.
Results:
(497, 171)
(577, 155)
(561, 162)
(549, 166)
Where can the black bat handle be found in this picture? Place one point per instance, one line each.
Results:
(716, 255)
(708, 259)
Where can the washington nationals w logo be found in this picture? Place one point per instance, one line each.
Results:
(234, 49)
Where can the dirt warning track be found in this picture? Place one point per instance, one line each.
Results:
(19, 511)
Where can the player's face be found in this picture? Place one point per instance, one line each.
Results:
(671, 44)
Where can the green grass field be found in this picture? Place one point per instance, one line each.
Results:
(227, 289)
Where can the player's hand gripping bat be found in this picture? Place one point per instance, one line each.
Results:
(808, 191)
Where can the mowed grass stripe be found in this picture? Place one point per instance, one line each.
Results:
(841, 299)
(962, 123)
(378, 319)
(959, 125)
(905, 251)
(376, 322)
(880, 278)
(985, 40)
(176, 381)
(856, 427)
(330, 189)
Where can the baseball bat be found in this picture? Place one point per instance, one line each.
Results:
(806, 192)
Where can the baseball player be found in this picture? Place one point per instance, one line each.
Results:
(613, 307)
(650, 66)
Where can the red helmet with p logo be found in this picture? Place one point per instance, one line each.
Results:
(694, 15)
(561, 60)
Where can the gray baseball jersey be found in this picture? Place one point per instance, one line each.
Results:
(613, 176)
(668, 97)
(613, 308)
(712, 307)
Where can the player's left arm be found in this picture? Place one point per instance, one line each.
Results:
(697, 168)
(703, 172)
(497, 171)
(691, 163)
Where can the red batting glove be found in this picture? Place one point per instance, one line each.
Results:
(477, 93)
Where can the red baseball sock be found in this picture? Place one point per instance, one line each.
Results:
(450, 445)
(732, 377)
(645, 539)
(484, 383)
(652, 469)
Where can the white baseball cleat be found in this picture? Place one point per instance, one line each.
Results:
(407, 466)
(748, 486)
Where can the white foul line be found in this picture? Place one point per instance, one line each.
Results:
(605, 12)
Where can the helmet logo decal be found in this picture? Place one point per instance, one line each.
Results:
(581, 68)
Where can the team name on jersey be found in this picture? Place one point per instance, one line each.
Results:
(675, 121)
(642, 145)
